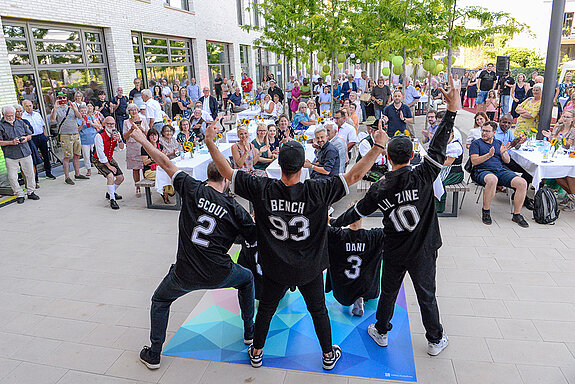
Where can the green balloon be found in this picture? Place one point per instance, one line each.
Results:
(280, 61)
(321, 55)
(340, 65)
(397, 61)
(439, 67)
(415, 61)
(429, 64)
(326, 68)
(389, 57)
(434, 71)
(385, 71)
(341, 57)
(407, 61)
(397, 70)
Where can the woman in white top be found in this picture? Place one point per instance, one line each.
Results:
(311, 110)
(475, 133)
(279, 108)
(268, 107)
(355, 100)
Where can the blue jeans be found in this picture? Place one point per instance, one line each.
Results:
(378, 113)
(363, 112)
(505, 104)
(481, 97)
(172, 287)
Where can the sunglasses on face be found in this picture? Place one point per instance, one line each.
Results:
(62, 98)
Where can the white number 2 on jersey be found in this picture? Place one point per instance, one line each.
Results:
(354, 272)
(282, 228)
(204, 230)
(400, 219)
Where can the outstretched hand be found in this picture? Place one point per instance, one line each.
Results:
(504, 148)
(380, 137)
(453, 96)
(138, 135)
(211, 131)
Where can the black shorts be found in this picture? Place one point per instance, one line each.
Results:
(103, 169)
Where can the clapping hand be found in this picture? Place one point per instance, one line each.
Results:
(504, 148)
(492, 152)
(453, 96)
(401, 116)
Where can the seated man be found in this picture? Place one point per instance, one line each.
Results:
(326, 163)
(436, 95)
(488, 155)
(236, 99)
(452, 172)
(260, 94)
(433, 123)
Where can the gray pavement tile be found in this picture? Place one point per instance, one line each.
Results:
(28, 373)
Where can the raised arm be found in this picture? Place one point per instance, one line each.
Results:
(221, 162)
(438, 144)
(158, 156)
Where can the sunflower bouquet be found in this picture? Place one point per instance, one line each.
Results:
(218, 137)
(188, 146)
(321, 120)
(167, 120)
(245, 121)
(399, 133)
(302, 138)
(256, 117)
(557, 142)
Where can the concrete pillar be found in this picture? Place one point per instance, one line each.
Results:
(8, 94)
(120, 58)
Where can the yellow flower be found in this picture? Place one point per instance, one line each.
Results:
(321, 119)
(564, 141)
(397, 133)
(534, 130)
(245, 121)
(406, 133)
(554, 141)
(220, 135)
(188, 146)
(305, 137)
(256, 117)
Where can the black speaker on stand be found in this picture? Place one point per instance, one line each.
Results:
(501, 69)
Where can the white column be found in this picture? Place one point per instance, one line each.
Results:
(120, 58)
(201, 62)
(8, 94)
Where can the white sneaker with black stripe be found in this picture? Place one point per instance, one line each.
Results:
(255, 361)
(434, 349)
(330, 361)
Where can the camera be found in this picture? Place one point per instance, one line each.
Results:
(21, 139)
(114, 131)
(139, 122)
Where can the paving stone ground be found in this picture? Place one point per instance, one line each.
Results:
(76, 280)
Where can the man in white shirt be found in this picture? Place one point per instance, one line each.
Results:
(153, 111)
(194, 90)
(38, 136)
(167, 93)
(328, 79)
(366, 143)
(345, 131)
(338, 142)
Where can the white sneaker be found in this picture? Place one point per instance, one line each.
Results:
(357, 309)
(380, 339)
(569, 206)
(434, 349)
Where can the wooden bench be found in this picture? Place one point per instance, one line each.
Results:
(455, 189)
(148, 185)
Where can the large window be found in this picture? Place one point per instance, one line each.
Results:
(161, 56)
(245, 59)
(567, 24)
(180, 4)
(47, 58)
(266, 64)
(240, 11)
(218, 60)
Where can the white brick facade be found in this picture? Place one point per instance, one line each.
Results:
(208, 20)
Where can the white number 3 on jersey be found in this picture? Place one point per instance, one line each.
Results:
(354, 272)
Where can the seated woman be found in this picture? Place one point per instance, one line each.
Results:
(185, 133)
(262, 145)
(568, 184)
(245, 154)
(168, 141)
(452, 172)
(272, 139)
(285, 131)
(312, 110)
(268, 107)
(475, 133)
(198, 125)
(565, 128)
(150, 165)
(301, 120)
(279, 107)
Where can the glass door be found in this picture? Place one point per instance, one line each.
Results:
(26, 89)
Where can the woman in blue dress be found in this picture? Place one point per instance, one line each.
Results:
(185, 103)
(518, 93)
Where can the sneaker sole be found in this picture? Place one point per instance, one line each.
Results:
(435, 354)
(150, 366)
(248, 341)
(256, 365)
(376, 342)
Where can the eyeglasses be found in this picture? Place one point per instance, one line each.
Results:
(110, 124)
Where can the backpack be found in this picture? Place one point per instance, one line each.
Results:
(545, 209)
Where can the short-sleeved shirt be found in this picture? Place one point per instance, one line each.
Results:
(292, 223)
(143, 152)
(487, 80)
(506, 90)
(480, 147)
(382, 93)
(136, 97)
(327, 157)
(411, 94)
(395, 123)
(105, 105)
(66, 120)
(88, 131)
(504, 137)
(9, 132)
(154, 110)
(531, 106)
(339, 144)
(347, 133)
(208, 225)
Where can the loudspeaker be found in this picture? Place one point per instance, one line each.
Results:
(502, 65)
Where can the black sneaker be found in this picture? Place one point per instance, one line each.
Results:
(255, 361)
(114, 205)
(518, 218)
(20, 200)
(330, 361)
(50, 176)
(81, 177)
(149, 359)
(69, 181)
(486, 217)
(118, 197)
(33, 196)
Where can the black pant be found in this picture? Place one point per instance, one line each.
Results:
(513, 166)
(312, 292)
(462, 94)
(422, 272)
(41, 143)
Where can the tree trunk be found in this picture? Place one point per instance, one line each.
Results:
(428, 95)
(449, 41)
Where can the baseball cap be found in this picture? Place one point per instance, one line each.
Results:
(61, 93)
(400, 149)
(291, 157)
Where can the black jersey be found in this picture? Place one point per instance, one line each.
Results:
(406, 199)
(248, 258)
(209, 222)
(292, 224)
(354, 264)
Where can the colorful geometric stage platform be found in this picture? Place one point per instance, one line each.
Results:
(214, 331)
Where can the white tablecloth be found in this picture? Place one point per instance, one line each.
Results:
(274, 171)
(249, 114)
(532, 161)
(196, 166)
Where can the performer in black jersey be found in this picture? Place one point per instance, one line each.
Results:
(411, 227)
(209, 222)
(248, 258)
(354, 265)
(292, 234)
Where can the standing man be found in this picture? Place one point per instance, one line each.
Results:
(345, 130)
(326, 163)
(64, 114)
(232, 82)
(380, 96)
(167, 93)
(411, 98)
(504, 86)
(209, 104)
(153, 111)
(397, 115)
(214, 219)
(14, 138)
(292, 234)
(338, 143)
(347, 87)
(136, 93)
(119, 106)
(218, 81)
(38, 136)
(411, 228)
(246, 84)
(486, 82)
(194, 90)
(104, 144)
(275, 90)
(362, 88)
